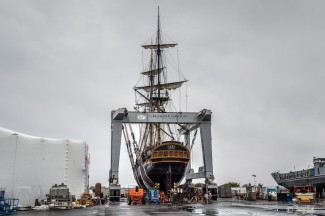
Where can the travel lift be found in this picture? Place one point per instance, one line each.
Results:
(189, 121)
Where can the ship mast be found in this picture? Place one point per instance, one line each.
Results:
(151, 99)
(158, 62)
(155, 99)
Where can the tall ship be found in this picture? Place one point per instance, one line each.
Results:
(314, 176)
(159, 158)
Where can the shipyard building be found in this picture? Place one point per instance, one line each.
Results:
(30, 166)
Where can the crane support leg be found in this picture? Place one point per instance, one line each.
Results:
(116, 136)
(206, 141)
(187, 136)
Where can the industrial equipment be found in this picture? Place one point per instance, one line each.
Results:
(136, 196)
(59, 197)
(305, 193)
(7, 205)
(153, 196)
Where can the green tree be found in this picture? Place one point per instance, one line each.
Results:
(233, 184)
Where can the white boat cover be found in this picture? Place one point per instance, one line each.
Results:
(30, 166)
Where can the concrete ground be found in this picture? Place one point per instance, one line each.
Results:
(221, 207)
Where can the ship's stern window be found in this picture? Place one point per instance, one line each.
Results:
(181, 154)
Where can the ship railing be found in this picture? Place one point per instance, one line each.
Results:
(171, 154)
(298, 174)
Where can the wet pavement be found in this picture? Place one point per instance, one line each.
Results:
(216, 208)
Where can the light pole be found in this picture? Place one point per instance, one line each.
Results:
(254, 176)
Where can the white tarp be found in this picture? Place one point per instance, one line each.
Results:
(30, 166)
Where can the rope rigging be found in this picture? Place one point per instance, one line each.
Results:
(193, 140)
(129, 149)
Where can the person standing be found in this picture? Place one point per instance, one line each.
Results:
(210, 196)
(206, 198)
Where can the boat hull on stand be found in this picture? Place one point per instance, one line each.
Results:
(166, 166)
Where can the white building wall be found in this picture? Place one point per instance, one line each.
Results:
(30, 166)
(7, 151)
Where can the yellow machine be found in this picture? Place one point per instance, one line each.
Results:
(305, 193)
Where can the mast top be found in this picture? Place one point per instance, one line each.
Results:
(158, 28)
(159, 46)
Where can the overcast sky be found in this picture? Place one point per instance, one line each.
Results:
(258, 65)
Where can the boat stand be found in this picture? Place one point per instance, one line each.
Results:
(189, 121)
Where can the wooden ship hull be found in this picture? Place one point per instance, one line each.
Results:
(165, 166)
